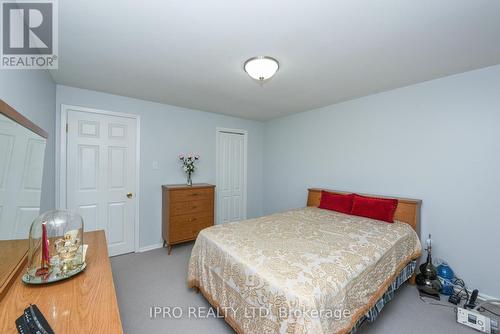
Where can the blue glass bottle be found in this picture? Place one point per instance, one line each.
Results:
(446, 275)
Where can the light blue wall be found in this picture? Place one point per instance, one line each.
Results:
(165, 132)
(438, 141)
(33, 94)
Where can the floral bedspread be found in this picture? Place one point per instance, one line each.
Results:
(302, 271)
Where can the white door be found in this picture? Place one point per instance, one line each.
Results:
(21, 169)
(101, 175)
(231, 175)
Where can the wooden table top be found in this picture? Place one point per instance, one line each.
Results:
(85, 303)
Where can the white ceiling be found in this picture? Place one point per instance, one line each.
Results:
(191, 53)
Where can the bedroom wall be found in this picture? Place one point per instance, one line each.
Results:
(33, 94)
(438, 141)
(167, 131)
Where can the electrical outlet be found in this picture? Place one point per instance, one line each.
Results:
(474, 320)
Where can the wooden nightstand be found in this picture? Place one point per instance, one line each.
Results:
(186, 211)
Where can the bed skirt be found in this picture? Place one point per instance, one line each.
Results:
(373, 313)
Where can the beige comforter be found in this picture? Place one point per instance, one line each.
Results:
(301, 271)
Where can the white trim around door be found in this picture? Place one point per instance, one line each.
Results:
(61, 147)
(244, 133)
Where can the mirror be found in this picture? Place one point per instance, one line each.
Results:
(22, 151)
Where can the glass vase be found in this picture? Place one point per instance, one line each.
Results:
(189, 180)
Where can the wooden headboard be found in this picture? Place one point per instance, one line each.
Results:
(408, 210)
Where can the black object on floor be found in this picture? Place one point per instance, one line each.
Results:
(472, 301)
(454, 299)
(427, 281)
(428, 295)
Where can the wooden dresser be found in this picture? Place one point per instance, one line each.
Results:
(85, 303)
(186, 211)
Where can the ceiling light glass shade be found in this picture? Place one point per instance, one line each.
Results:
(261, 68)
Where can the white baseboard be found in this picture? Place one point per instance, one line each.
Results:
(150, 247)
(480, 295)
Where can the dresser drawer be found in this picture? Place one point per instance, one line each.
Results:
(201, 219)
(188, 230)
(191, 194)
(190, 207)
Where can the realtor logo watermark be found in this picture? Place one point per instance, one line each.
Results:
(29, 34)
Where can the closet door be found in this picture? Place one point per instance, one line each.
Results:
(231, 180)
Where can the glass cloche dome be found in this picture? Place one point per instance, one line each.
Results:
(56, 249)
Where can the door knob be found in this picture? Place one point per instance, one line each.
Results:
(129, 195)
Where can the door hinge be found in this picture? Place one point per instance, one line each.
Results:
(67, 127)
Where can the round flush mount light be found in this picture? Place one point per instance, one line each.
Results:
(261, 68)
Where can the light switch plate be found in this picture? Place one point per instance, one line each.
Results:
(156, 164)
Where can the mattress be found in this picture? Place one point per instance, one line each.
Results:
(301, 271)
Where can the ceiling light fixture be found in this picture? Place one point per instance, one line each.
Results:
(261, 68)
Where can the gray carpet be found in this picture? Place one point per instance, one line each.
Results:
(153, 278)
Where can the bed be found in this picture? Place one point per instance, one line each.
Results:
(306, 270)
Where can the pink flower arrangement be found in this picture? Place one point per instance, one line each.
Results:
(188, 166)
(188, 161)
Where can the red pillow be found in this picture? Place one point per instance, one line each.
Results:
(375, 208)
(336, 202)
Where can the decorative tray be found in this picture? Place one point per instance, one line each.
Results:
(54, 275)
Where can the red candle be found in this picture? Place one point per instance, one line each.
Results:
(44, 265)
